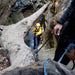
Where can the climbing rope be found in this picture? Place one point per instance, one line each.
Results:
(45, 65)
(70, 47)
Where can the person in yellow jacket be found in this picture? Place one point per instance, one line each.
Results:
(38, 31)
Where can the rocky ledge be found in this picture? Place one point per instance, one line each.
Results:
(53, 68)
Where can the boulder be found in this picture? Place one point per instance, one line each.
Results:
(53, 68)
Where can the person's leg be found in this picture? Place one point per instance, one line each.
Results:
(34, 43)
(60, 50)
(38, 40)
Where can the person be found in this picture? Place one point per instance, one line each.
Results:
(38, 31)
(54, 1)
(65, 27)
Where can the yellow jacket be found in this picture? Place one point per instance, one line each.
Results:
(38, 32)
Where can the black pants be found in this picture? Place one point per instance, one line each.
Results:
(64, 41)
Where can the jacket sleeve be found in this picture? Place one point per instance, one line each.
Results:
(66, 15)
(34, 31)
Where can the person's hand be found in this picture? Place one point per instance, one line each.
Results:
(57, 29)
(71, 54)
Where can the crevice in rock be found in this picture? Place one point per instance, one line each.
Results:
(29, 39)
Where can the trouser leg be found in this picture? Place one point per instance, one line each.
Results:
(34, 43)
(60, 50)
(38, 42)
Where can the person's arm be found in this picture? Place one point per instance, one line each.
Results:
(66, 14)
(40, 31)
(58, 27)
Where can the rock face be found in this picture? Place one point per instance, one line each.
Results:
(5, 9)
(13, 39)
(16, 17)
(53, 13)
(53, 68)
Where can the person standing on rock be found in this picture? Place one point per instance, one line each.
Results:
(65, 27)
(37, 31)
